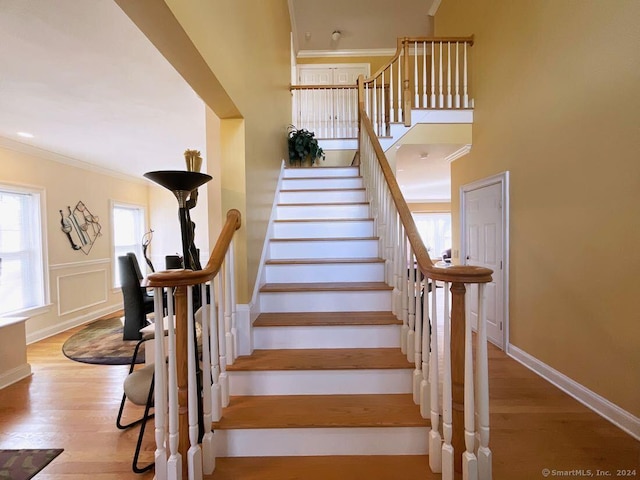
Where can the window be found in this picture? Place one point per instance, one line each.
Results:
(435, 231)
(22, 282)
(128, 230)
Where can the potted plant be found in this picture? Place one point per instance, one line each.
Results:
(303, 147)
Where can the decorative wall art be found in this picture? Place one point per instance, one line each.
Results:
(81, 227)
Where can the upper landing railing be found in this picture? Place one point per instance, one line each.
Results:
(424, 73)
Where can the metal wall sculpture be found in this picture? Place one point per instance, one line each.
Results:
(81, 227)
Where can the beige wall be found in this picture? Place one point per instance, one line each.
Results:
(247, 46)
(76, 280)
(556, 90)
(429, 207)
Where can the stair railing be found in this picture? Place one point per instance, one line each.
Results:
(411, 272)
(330, 111)
(424, 73)
(185, 444)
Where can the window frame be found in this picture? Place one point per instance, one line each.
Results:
(137, 248)
(42, 269)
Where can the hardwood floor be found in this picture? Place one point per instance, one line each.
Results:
(71, 405)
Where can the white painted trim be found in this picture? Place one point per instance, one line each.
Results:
(15, 375)
(270, 442)
(73, 322)
(264, 256)
(603, 407)
(461, 152)
(322, 66)
(364, 52)
(85, 263)
(88, 305)
(503, 180)
(73, 162)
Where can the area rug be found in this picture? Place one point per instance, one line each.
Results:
(24, 464)
(101, 343)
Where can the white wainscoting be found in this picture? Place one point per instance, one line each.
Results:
(77, 291)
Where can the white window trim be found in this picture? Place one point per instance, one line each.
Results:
(116, 203)
(44, 235)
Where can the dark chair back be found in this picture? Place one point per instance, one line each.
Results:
(136, 301)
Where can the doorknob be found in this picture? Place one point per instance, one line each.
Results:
(468, 257)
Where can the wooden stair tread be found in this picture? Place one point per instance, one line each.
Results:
(325, 318)
(321, 411)
(340, 467)
(324, 287)
(320, 261)
(322, 239)
(322, 189)
(301, 220)
(322, 359)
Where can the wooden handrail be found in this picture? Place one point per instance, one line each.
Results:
(453, 273)
(184, 277)
(324, 87)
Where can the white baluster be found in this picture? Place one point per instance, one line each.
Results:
(416, 82)
(232, 295)
(457, 97)
(366, 99)
(424, 75)
(194, 454)
(411, 291)
(440, 84)
(433, 76)
(208, 454)
(448, 74)
(383, 117)
(469, 460)
(160, 386)
(485, 471)
(447, 418)
(227, 312)
(392, 117)
(465, 97)
(435, 445)
(222, 349)
(400, 102)
(425, 385)
(374, 101)
(216, 395)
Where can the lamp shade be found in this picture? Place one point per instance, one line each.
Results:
(178, 180)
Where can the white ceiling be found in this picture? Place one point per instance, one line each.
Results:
(90, 87)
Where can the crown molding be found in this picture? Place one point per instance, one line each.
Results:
(461, 152)
(368, 52)
(25, 148)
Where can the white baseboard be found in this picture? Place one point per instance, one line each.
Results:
(73, 322)
(14, 375)
(603, 407)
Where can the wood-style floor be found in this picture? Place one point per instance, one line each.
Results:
(71, 405)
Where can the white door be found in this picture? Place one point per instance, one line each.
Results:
(329, 113)
(483, 230)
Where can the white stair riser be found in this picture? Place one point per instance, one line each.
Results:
(271, 442)
(344, 301)
(320, 229)
(341, 336)
(320, 183)
(321, 382)
(323, 249)
(293, 212)
(322, 196)
(321, 172)
(322, 273)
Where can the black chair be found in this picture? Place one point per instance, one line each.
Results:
(137, 302)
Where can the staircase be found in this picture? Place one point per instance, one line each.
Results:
(327, 392)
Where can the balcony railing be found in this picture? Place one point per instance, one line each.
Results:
(424, 73)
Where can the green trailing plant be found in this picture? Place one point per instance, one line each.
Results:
(303, 146)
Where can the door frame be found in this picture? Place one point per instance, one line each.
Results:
(503, 180)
